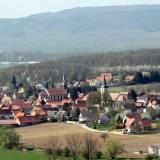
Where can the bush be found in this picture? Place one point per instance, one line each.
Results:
(113, 149)
(66, 152)
(59, 152)
(151, 157)
(98, 155)
(8, 138)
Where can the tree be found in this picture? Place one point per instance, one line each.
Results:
(8, 138)
(94, 98)
(113, 149)
(91, 145)
(139, 77)
(14, 82)
(132, 95)
(52, 146)
(73, 93)
(107, 97)
(74, 144)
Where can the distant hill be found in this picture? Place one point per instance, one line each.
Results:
(83, 30)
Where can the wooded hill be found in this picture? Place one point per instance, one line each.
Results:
(83, 30)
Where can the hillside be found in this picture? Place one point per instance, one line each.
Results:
(83, 30)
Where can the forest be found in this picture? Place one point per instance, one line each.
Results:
(83, 67)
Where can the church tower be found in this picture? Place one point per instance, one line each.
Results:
(65, 83)
(103, 89)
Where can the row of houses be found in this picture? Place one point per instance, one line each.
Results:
(18, 112)
(112, 80)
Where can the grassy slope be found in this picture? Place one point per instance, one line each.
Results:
(17, 155)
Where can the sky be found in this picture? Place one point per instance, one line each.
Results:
(22, 8)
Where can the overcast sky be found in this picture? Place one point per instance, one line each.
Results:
(21, 8)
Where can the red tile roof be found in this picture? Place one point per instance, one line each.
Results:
(146, 123)
(20, 114)
(29, 119)
(39, 111)
(129, 122)
(80, 105)
(137, 118)
(56, 91)
(21, 103)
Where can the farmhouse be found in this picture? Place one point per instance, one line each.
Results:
(135, 122)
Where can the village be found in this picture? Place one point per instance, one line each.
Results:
(128, 111)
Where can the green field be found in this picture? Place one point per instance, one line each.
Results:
(18, 155)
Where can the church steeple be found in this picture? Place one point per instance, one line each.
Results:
(104, 86)
(64, 81)
(103, 90)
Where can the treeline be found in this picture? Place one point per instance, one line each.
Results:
(81, 67)
(132, 57)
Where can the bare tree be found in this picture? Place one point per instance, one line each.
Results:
(74, 143)
(52, 146)
(104, 136)
(91, 145)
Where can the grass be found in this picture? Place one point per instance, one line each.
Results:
(101, 127)
(19, 155)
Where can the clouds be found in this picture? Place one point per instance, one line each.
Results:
(21, 8)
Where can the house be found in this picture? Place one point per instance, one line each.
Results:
(91, 82)
(37, 111)
(154, 103)
(28, 120)
(143, 98)
(138, 105)
(55, 94)
(82, 105)
(108, 76)
(129, 79)
(153, 95)
(83, 117)
(119, 99)
(116, 79)
(134, 120)
(81, 102)
(103, 118)
(6, 100)
(6, 113)
(21, 105)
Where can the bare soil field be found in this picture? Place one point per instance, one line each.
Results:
(38, 134)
